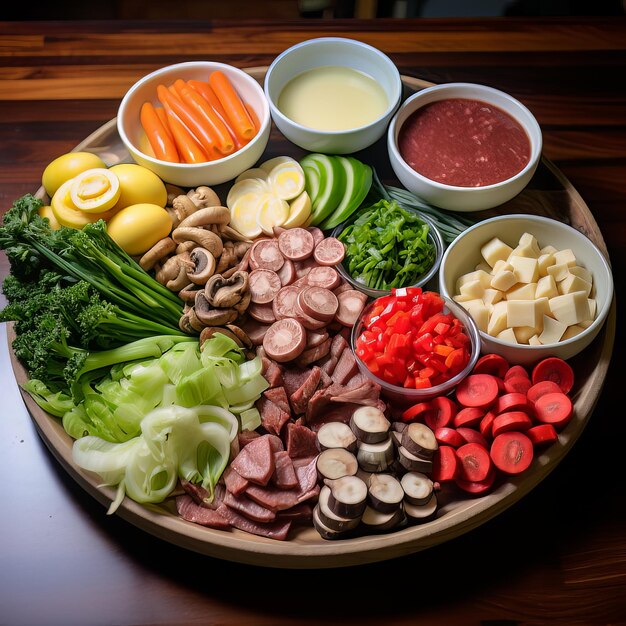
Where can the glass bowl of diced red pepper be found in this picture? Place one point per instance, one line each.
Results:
(415, 344)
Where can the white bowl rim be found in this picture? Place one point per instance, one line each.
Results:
(601, 315)
(536, 150)
(393, 102)
(190, 166)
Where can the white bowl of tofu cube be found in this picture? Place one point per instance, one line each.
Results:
(534, 286)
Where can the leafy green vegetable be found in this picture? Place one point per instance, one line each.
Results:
(387, 246)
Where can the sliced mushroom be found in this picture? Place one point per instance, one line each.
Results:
(188, 294)
(243, 337)
(210, 316)
(203, 266)
(186, 246)
(194, 321)
(203, 196)
(160, 250)
(205, 238)
(209, 215)
(173, 191)
(209, 331)
(234, 235)
(226, 292)
(241, 247)
(172, 268)
(228, 258)
(243, 304)
(184, 325)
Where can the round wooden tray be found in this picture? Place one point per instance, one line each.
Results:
(549, 193)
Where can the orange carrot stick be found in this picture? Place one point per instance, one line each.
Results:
(188, 117)
(188, 146)
(211, 120)
(206, 91)
(162, 145)
(160, 111)
(253, 116)
(236, 111)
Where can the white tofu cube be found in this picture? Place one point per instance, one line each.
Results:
(501, 265)
(534, 341)
(572, 283)
(565, 256)
(522, 292)
(495, 250)
(527, 239)
(552, 330)
(570, 308)
(526, 270)
(521, 313)
(497, 319)
(592, 308)
(483, 267)
(480, 314)
(491, 296)
(507, 335)
(544, 262)
(583, 272)
(547, 250)
(466, 302)
(525, 251)
(572, 331)
(524, 333)
(546, 287)
(503, 280)
(558, 271)
(472, 289)
(476, 275)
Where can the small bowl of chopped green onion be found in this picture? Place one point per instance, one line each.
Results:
(389, 246)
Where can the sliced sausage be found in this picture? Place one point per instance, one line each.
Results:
(319, 303)
(343, 286)
(351, 303)
(318, 234)
(315, 338)
(264, 285)
(285, 340)
(262, 313)
(304, 267)
(311, 355)
(284, 304)
(310, 323)
(296, 244)
(321, 276)
(330, 251)
(255, 331)
(265, 254)
(287, 273)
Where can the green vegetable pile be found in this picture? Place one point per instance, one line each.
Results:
(387, 246)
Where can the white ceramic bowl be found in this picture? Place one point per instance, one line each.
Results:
(333, 51)
(457, 198)
(193, 174)
(463, 255)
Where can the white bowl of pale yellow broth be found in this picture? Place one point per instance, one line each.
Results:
(463, 146)
(333, 95)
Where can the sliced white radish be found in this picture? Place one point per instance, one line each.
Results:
(286, 180)
(299, 211)
(270, 164)
(376, 457)
(253, 172)
(336, 435)
(335, 463)
(272, 211)
(243, 214)
(369, 423)
(245, 187)
(348, 496)
(331, 519)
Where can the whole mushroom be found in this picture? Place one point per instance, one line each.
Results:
(223, 292)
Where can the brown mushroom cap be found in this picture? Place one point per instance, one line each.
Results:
(203, 196)
(201, 236)
(161, 249)
(209, 331)
(209, 215)
(226, 292)
(210, 316)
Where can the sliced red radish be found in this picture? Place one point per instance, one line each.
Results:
(477, 390)
(512, 402)
(486, 424)
(516, 370)
(284, 304)
(319, 303)
(512, 452)
(555, 369)
(477, 488)
(369, 424)
(415, 412)
(445, 464)
(472, 436)
(330, 251)
(449, 437)
(541, 388)
(474, 462)
(265, 254)
(296, 244)
(469, 416)
(511, 420)
(318, 234)
(517, 384)
(493, 364)
(543, 434)
(287, 273)
(443, 410)
(554, 408)
(264, 285)
(263, 313)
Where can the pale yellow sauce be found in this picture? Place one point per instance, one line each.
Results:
(333, 98)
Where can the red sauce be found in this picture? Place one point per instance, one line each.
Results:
(462, 142)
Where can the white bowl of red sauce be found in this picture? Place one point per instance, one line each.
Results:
(464, 146)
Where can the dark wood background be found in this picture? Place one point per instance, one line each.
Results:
(558, 556)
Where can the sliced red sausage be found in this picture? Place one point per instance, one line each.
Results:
(287, 273)
(330, 251)
(318, 234)
(310, 323)
(343, 286)
(264, 285)
(322, 276)
(261, 313)
(265, 254)
(304, 267)
(351, 303)
(319, 303)
(311, 355)
(285, 340)
(315, 338)
(284, 304)
(296, 244)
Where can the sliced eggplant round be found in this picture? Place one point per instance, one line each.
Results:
(336, 435)
(331, 519)
(370, 424)
(384, 493)
(420, 513)
(324, 531)
(396, 437)
(377, 521)
(376, 457)
(414, 463)
(398, 426)
(418, 488)
(419, 440)
(335, 463)
(348, 496)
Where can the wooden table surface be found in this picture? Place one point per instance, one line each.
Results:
(558, 556)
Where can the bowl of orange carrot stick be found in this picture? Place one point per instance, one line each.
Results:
(195, 123)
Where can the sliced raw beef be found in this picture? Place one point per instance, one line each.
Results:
(251, 509)
(356, 381)
(338, 345)
(199, 494)
(246, 436)
(273, 498)
(273, 374)
(333, 412)
(325, 380)
(328, 364)
(368, 394)
(346, 367)
(193, 512)
(294, 378)
(276, 443)
(307, 476)
(278, 396)
(300, 398)
(273, 418)
(234, 482)
(278, 529)
(285, 473)
(301, 441)
(255, 462)
(302, 512)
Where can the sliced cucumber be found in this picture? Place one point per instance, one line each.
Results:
(332, 181)
(357, 181)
